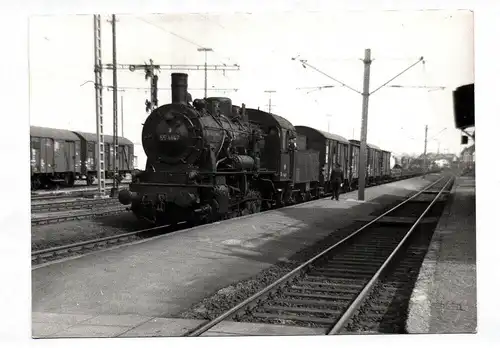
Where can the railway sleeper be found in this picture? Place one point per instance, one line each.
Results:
(360, 259)
(331, 284)
(354, 263)
(380, 241)
(321, 278)
(365, 269)
(319, 303)
(342, 275)
(318, 294)
(323, 321)
(328, 290)
(308, 310)
(343, 295)
(350, 256)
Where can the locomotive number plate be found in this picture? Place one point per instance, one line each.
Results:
(169, 137)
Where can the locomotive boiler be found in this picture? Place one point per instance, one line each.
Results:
(202, 157)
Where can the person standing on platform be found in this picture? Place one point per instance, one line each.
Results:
(336, 180)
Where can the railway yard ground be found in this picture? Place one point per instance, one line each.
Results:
(173, 284)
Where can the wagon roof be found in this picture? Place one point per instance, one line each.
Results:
(52, 133)
(278, 120)
(326, 134)
(107, 138)
(374, 147)
(370, 146)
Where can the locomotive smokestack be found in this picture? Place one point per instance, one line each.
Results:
(179, 88)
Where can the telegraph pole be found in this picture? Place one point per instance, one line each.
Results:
(98, 104)
(270, 99)
(364, 126)
(206, 70)
(425, 152)
(364, 119)
(114, 189)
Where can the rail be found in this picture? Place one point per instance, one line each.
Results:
(200, 330)
(52, 251)
(366, 290)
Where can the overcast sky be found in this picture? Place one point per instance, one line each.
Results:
(61, 59)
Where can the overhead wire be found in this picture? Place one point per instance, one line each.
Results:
(177, 35)
(169, 32)
(186, 40)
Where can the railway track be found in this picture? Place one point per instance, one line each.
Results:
(42, 256)
(73, 205)
(58, 252)
(70, 216)
(40, 208)
(354, 284)
(50, 195)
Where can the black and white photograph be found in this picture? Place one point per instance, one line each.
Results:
(206, 174)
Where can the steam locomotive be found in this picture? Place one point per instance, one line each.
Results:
(209, 160)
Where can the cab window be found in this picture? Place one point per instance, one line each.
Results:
(284, 140)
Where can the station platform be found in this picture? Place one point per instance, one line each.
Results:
(444, 297)
(136, 288)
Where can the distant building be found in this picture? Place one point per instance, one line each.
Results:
(442, 163)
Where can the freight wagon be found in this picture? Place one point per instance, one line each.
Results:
(55, 156)
(60, 156)
(90, 152)
(331, 148)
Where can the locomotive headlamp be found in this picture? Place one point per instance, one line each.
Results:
(192, 175)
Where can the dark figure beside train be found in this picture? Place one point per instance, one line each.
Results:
(210, 160)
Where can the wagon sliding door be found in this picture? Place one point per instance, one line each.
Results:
(108, 159)
(124, 158)
(342, 158)
(355, 162)
(69, 153)
(60, 160)
(47, 161)
(36, 155)
(92, 154)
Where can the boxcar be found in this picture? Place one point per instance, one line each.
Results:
(90, 151)
(55, 156)
(332, 148)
